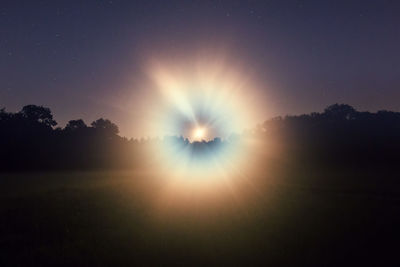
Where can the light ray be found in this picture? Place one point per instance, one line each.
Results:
(204, 108)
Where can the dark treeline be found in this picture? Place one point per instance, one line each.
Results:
(29, 140)
(340, 136)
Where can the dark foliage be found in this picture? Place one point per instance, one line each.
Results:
(28, 141)
(340, 136)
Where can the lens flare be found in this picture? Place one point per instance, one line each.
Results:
(202, 106)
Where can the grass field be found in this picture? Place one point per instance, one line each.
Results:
(127, 218)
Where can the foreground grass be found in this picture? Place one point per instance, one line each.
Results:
(121, 218)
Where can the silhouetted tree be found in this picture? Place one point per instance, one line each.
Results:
(38, 114)
(105, 126)
(74, 125)
(4, 115)
(340, 111)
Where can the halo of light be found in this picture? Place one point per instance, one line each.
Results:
(202, 107)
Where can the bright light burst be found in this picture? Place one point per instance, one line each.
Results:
(202, 107)
(199, 134)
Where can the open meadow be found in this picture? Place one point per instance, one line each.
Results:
(125, 218)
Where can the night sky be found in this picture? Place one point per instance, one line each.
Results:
(84, 59)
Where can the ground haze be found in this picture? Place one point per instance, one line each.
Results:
(107, 218)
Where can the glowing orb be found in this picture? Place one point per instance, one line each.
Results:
(199, 134)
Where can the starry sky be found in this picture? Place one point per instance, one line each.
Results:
(84, 59)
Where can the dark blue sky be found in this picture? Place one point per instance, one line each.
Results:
(75, 56)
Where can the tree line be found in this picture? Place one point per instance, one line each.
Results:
(29, 139)
(339, 136)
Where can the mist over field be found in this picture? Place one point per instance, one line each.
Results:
(303, 194)
(199, 133)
